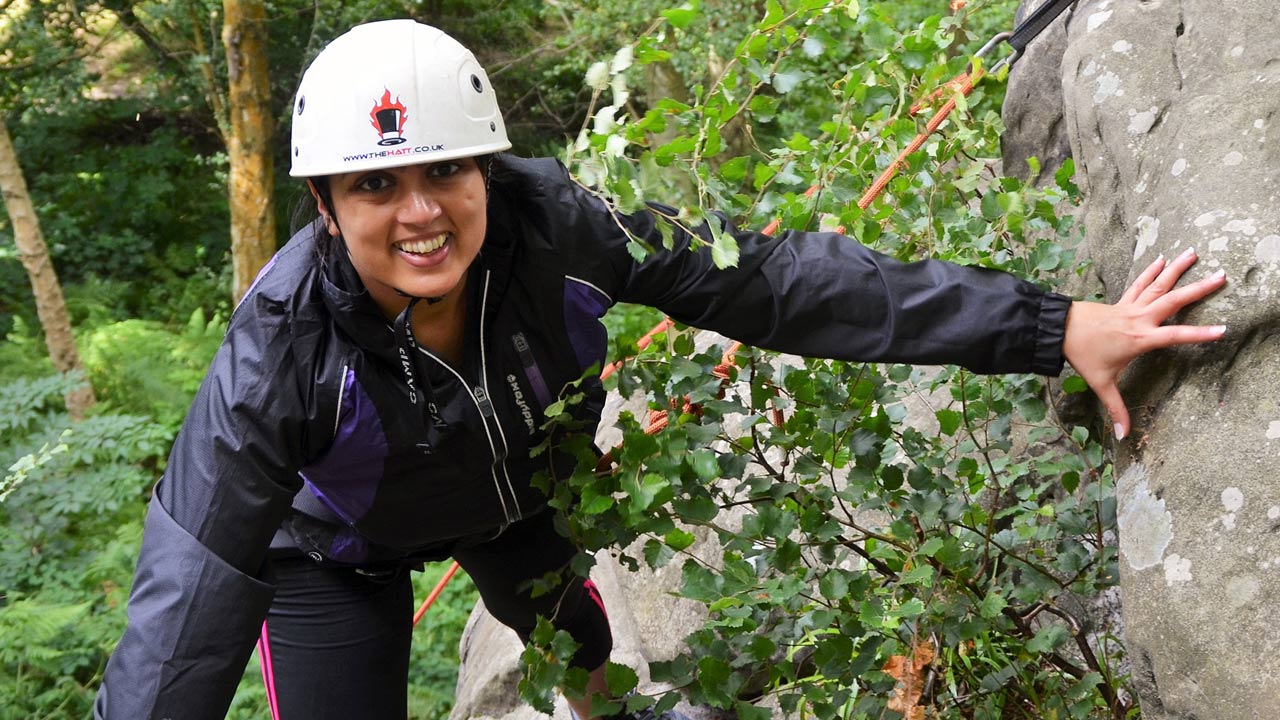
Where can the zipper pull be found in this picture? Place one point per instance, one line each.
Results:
(482, 399)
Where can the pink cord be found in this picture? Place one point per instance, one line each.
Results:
(268, 672)
(594, 593)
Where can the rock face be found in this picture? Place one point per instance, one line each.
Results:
(1172, 112)
(1033, 102)
(647, 622)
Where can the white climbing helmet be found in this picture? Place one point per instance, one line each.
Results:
(392, 93)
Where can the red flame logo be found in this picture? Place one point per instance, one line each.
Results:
(388, 119)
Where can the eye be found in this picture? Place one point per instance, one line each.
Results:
(443, 169)
(373, 183)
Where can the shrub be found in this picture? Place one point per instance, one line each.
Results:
(868, 566)
(71, 507)
(141, 366)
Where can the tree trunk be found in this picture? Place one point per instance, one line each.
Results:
(50, 306)
(253, 232)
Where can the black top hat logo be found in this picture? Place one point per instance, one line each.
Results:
(388, 119)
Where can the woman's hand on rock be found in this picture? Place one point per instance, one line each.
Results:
(1101, 340)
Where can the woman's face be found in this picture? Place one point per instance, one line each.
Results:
(415, 228)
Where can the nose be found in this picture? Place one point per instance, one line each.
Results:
(419, 205)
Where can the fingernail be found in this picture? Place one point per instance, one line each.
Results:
(1119, 431)
(1160, 258)
(1220, 330)
(1218, 275)
(1189, 252)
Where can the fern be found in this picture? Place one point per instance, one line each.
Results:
(36, 627)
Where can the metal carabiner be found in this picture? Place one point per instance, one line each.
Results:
(991, 45)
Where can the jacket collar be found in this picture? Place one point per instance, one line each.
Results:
(351, 305)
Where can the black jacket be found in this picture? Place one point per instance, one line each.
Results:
(308, 393)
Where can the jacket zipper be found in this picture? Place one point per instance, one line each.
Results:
(480, 396)
(483, 389)
(342, 391)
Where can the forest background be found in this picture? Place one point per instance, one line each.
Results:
(124, 119)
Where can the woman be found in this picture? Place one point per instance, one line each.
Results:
(381, 384)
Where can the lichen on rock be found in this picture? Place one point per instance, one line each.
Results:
(1146, 527)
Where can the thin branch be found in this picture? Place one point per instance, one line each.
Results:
(878, 564)
(1118, 708)
(548, 49)
(131, 22)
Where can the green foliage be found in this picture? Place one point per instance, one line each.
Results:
(42, 658)
(141, 367)
(433, 660)
(626, 324)
(23, 354)
(848, 535)
(809, 93)
(71, 508)
(71, 504)
(113, 213)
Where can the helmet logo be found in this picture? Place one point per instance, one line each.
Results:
(388, 119)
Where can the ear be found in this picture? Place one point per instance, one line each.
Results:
(325, 212)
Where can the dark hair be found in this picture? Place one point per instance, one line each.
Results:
(306, 212)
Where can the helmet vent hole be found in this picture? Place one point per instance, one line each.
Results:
(475, 83)
(296, 152)
(302, 104)
(493, 127)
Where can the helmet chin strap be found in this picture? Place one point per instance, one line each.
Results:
(429, 300)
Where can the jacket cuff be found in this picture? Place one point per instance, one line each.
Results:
(193, 619)
(1051, 330)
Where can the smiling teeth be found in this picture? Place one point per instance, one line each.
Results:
(423, 247)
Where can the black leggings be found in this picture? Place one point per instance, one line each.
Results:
(336, 641)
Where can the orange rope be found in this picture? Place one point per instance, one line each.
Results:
(962, 84)
(431, 599)
(658, 419)
(641, 344)
(774, 224)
